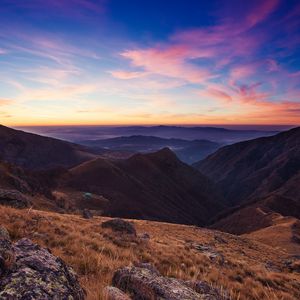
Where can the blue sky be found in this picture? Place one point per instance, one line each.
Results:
(149, 62)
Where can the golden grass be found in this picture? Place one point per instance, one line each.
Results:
(95, 253)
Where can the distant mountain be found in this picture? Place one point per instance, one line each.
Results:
(156, 186)
(215, 134)
(38, 152)
(187, 151)
(257, 168)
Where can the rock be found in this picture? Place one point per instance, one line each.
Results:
(220, 239)
(145, 237)
(87, 214)
(37, 274)
(7, 255)
(293, 264)
(113, 293)
(206, 289)
(144, 284)
(148, 266)
(120, 226)
(210, 252)
(13, 198)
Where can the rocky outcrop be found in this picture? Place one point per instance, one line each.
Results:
(13, 198)
(143, 283)
(87, 214)
(113, 293)
(29, 272)
(120, 226)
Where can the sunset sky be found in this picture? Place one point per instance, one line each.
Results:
(149, 62)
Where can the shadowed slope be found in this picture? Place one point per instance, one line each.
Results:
(38, 152)
(256, 168)
(150, 186)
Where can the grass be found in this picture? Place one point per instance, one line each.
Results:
(95, 253)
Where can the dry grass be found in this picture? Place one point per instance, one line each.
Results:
(95, 253)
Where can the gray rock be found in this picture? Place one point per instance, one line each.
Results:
(87, 214)
(145, 237)
(148, 266)
(144, 284)
(13, 198)
(206, 289)
(113, 293)
(37, 274)
(120, 226)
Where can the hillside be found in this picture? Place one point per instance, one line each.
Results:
(187, 151)
(246, 268)
(155, 186)
(258, 168)
(33, 151)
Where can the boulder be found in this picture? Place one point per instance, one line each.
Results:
(34, 273)
(87, 214)
(113, 293)
(13, 198)
(120, 226)
(142, 283)
(145, 237)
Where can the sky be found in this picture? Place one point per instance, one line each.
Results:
(113, 62)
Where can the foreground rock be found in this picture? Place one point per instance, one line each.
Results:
(143, 283)
(120, 226)
(32, 272)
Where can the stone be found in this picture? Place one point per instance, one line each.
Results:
(87, 214)
(145, 236)
(120, 226)
(37, 274)
(13, 198)
(206, 289)
(148, 266)
(142, 283)
(113, 293)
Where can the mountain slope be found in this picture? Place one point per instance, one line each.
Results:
(38, 152)
(187, 151)
(156, 186)
(257, 168)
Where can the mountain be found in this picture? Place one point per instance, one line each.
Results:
(260, 179)
(38, 152)
(187, 151)
(215, 134)
(155, 186)
(258, 168)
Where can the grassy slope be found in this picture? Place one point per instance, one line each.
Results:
(95, 253)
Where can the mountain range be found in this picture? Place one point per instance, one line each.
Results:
(214, 134)
(187, 151)
(241, 188)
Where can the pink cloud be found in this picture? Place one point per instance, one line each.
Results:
(243, 71)
(219, 44)
(170, 61)
(5, 101)
(122, 74)
(261, 12)
(272, 65)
